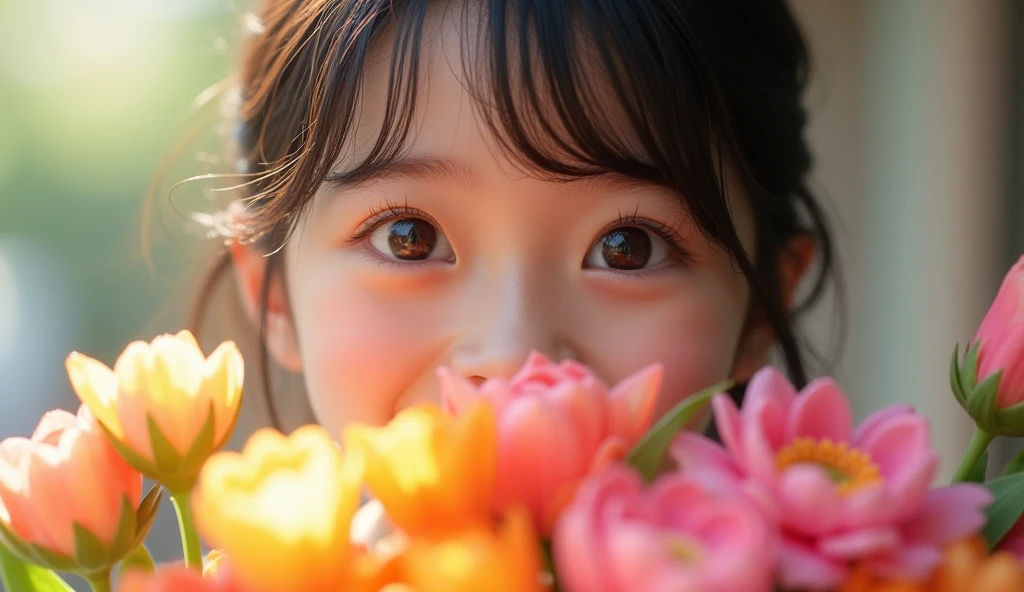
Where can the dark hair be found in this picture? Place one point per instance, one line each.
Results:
(702, 84)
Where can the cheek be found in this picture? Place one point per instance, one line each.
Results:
(694, 337)
(361, 349)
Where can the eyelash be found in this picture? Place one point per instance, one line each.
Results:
(388, 211)
(669, 234)
(384, 213)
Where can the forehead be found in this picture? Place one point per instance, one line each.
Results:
(452, 96)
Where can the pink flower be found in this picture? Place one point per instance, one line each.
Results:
(840, 494)
(1001, 338)
(556, 424)
(67, 473)
(678, 535)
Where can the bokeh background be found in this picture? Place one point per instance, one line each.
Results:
(917, 122)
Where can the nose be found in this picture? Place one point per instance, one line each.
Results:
(503, 322)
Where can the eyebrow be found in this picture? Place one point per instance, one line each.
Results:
(429, 169)
(462, 174)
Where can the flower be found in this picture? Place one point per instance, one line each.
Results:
(678, 535)
(989, 382)
(165, 405)
(176, 578)
(431, 472)
(965, 566)
(479, 557)
(281, 510)
(67, 500)
(556, 424)
(841, 495)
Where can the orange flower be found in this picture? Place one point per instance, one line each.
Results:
(165, 405)
(477, 558)
(67, 500)
(966, 566)
(432, 472)
(281, 510)
(175, 578)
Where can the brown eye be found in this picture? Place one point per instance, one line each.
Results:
(410, 239)
(626, 248)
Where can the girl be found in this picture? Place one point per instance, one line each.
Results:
(459, 182)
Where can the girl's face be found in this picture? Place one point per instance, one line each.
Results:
(451, 256)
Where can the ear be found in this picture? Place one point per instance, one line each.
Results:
(758, 339)
(251, 269)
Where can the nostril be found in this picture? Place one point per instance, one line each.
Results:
(477, 380)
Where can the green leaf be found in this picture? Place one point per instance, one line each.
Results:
(90, 552)
(969, 371)
(168, 460)
(981, 403)
(137, 461)
(33, 553)
(139, 558)
(20, 576)
(1011, 420)
(954, 378)
(1005, 509)
(980, 470)
(1016, 464)
(202, 447)
(649, 453)
(126, 528)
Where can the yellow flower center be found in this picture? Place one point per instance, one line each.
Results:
(849, 468)
(683, 549)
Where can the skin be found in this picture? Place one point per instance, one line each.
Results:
(518, 266)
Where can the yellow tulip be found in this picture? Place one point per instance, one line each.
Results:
(478, 558)
(281, 510)
(431, 472)
(165, 405)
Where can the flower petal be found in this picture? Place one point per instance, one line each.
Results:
(820, 412)
(808, 499)
(767, 403)
(949, 514)
(859, 544)
(803, 568)
(876, 419)
(632, 402)
(96, 386)
(897, 444)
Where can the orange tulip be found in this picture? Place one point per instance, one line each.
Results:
(281, 510)
(165, 405)
(431, 472)
(176, 578)
(67, 500)
(478, 558)
(966, 566)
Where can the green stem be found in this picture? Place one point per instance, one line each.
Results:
(189, 538)
(977, 447)
(100, 581)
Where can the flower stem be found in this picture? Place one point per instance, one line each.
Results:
(977, 447)
(100, 581)
(189, 538)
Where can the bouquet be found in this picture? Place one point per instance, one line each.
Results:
(551, 480)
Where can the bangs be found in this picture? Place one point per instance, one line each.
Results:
(566, 93)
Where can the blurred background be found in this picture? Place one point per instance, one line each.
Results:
(917, 122)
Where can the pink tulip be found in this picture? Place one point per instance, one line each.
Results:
(1001, 338)
(67, 473)
(556, 424)
(676, 536)
(841, 494)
